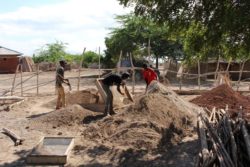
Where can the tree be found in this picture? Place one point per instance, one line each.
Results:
(133, 36)
(226, 23)
(50, 52)
(90, 57)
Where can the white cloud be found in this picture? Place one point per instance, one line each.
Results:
(77, 22)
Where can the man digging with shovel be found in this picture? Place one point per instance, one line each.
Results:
(59, 87)
(111, 80)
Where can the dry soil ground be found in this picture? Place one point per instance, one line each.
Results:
(36, 117)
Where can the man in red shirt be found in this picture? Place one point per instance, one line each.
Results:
(149, 74)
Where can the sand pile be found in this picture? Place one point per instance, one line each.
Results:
(88, 96)
(157, 121)
(221, 96)
(69, 116)
(144, 134)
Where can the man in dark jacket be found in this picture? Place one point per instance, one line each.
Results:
(113, 79)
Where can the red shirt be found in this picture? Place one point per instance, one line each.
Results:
(149, 75)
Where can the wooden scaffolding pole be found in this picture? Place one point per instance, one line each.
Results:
(149, 48)
(14, 79)
(133, 73)
(240, 75)
(99, 63)
(21, 69)
(79, 70)
(199, 75)
(119, 62)
(37, 79)
(217, 68)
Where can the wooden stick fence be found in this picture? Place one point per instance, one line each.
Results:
(24, 78)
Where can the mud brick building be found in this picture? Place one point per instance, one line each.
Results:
(9, 60)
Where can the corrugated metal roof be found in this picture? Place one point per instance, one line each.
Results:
(8, 52)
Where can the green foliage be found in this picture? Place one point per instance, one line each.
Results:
(50, 52)
(90, 57)
(56, 51)
(222, 26)
(133, 36)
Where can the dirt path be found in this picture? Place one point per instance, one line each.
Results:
(17, 120)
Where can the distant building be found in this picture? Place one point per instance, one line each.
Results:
(9, 59)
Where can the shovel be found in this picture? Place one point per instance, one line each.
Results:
(68, 83)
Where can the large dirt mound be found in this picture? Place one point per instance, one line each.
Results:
(158, 120)
(221, 96)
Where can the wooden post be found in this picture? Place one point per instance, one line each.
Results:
(180, 83)
(133, 73)
(37, 79)
(21, 69)
(240, 75)
(217, 68)
(79, 70)
(149, 47)
(166, 68)
(119, 62)
(232, 141)
(228, 65)
(18, 139)
(199, 75)
(180, 75)
(13, 83)
(246, 139)
(99, 64)
(203, 140)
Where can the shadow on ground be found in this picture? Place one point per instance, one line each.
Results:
(19, 162)
(92, 118)
(38, 115)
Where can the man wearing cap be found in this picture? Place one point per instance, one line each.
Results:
(59, 87)
(113, 79)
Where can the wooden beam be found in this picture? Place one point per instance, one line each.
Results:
(246, 139)
(203, 140)
(79, 70)
(18, 139)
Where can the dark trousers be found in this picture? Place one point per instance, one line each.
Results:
(109, 100)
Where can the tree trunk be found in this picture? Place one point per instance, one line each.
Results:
(199, 74)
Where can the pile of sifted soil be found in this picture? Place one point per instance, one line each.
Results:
(69, 116)
(158, 121)
(221, 96)
(143, 134)
(83, 97)
(88, 96)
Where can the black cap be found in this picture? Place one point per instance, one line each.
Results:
(145, 65)
(125, 75)
(62, 62)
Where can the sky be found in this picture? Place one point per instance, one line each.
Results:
(28, 25)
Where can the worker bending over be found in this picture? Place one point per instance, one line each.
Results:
(113, 79)
(149, 75)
